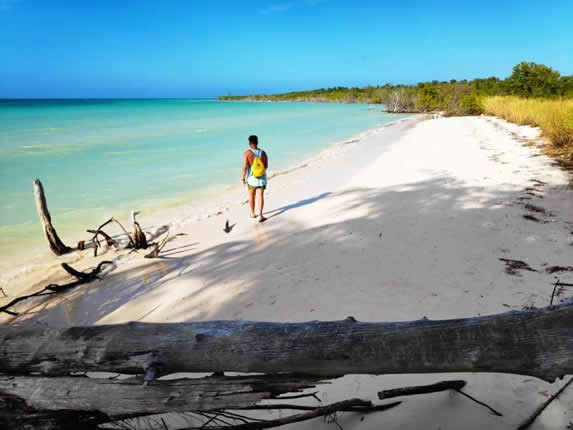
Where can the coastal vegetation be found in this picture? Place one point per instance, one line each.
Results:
(454, 97)
(534, 94)
(553, 116)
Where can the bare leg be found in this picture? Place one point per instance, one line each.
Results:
(252, 202)
(261, 205)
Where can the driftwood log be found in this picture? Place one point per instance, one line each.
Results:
(56, 244)
(126, 397)
(536, 343)
(37, 391)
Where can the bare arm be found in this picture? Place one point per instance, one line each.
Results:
(245, 165)
(265, 160)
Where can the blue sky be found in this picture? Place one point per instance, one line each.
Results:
(204, 48)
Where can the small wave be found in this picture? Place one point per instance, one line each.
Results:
(43, 149)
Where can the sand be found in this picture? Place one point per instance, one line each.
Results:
(404, 221)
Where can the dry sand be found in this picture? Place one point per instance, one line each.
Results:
(407, 220)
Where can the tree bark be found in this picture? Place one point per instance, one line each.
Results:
(56, 245)
(537, 343)
(117, 398)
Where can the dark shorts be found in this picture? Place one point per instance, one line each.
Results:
(252, 188)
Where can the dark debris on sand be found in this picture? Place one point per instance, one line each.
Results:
(535, 219)
(512, 267)
(555, 269)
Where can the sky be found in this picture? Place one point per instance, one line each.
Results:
(206, 48)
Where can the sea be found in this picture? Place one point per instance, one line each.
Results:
(98, 158)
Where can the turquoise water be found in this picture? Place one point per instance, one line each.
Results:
(96, 157)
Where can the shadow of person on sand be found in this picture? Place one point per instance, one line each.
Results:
(280, 211)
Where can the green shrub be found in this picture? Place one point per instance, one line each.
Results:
(470, 105)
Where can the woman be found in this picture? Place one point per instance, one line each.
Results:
(253, 182)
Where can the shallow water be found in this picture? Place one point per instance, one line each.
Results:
(102, 157)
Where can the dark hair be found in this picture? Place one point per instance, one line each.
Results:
(253, 139)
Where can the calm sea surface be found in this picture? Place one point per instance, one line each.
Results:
(98, 157)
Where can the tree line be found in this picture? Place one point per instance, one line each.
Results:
(454, 97)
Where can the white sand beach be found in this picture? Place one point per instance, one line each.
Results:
(405, 221)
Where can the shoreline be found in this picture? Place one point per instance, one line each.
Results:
(186, 149)
(175, 210)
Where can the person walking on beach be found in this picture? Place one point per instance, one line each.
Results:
(255, 164)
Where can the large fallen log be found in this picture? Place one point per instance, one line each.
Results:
(537, 343)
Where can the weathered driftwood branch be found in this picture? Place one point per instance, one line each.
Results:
(367, 407)
(139, 239)
(355, 405)
(120, 397)
(536, 343)
(81, 278)
(155, 252)
(558, 289)
(455, 385)
(131, 243)
(421, 389)
(56, 244)
(530, 420)
(108, 239)
(97, 232)
(473, 399)
(136, 241)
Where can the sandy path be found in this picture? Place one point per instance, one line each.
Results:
(409, 221)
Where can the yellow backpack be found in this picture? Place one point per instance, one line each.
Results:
(258, 167)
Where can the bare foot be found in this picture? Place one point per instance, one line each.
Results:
(263, 219)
